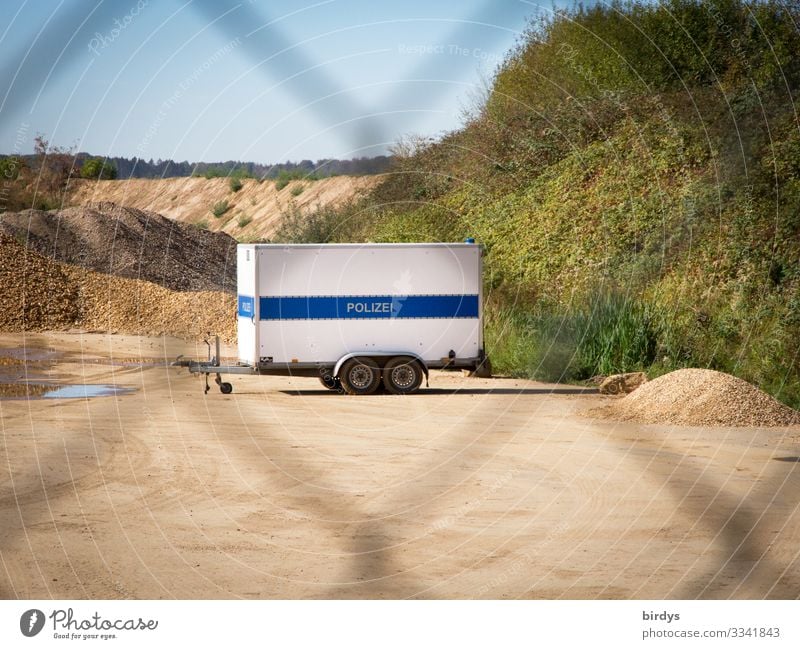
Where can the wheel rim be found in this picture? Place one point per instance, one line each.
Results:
(403, 376)
(361, 376)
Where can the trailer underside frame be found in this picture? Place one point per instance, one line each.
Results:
(314, 369)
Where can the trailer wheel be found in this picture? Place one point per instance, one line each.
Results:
(225, 388)
(360, 376)
(402, 375)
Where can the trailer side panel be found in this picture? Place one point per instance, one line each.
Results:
(317, 303)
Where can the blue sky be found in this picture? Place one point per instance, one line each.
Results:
(257, 80)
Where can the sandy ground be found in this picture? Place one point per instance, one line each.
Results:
(473, 488)
(191, 199)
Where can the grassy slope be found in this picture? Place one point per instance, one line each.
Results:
(635, 177)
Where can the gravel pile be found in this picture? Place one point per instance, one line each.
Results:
(698, 397)
(39, 294)
(131, 243)
(34, 289)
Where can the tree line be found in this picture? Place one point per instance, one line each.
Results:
(122, 167)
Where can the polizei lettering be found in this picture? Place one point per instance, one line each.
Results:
(369, 307)
(67, 621)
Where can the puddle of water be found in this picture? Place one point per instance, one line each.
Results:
(22, 377)
(86, 391)
(23, 390)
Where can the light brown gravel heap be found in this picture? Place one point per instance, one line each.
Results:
(127, 242)
(33, 289)
(120, 305)
(698, 397)
(38, 294)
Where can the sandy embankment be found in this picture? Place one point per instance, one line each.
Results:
(191, 199)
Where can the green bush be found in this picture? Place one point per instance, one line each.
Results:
(341, 224)
(297, 190)
(46, 203)
(202, 224)
(606, 334)
(635, 47)
(219, 208)
(10, 168)
(235, 184)
(98, 169)
(244, 220)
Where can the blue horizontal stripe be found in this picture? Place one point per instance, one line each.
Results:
(357, 307)
(247, 306)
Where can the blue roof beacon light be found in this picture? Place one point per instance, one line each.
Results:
(469, 240)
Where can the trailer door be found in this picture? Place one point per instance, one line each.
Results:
(247, 288)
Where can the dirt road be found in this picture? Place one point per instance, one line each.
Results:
(473, 488)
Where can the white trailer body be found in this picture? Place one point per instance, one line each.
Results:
(311, 306)
(357, 316)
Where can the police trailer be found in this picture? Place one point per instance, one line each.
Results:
(357, 316)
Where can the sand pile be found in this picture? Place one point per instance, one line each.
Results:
(129, 242)
(697, 397)
(38, 294)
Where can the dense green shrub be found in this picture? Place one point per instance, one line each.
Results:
(609, 333)
(10, 168)
(99, 169)
(319, 226)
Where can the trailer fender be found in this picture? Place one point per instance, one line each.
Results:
(372, 354)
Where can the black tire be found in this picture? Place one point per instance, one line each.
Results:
(225, 388)
(402, 375)
(360, 376)
(330, 381)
